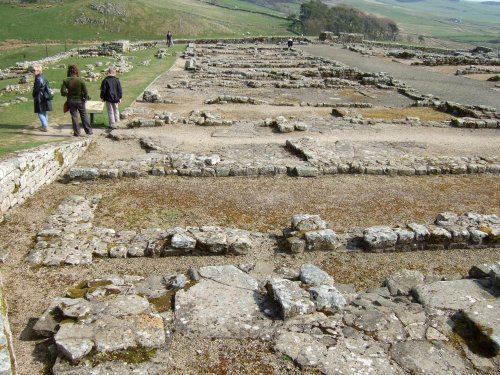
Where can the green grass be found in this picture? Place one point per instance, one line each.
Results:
(146, 19)
(436, 18)
(16, 119)
(10, 56)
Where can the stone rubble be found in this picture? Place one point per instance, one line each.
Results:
(303, 157)
(420, 328)
(68, 237)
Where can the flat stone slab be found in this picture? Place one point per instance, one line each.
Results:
(486, 317)
(224, 303)
(348, 356)
(451, 295)
(422, 357)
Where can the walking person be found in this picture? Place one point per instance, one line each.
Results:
(290, 43)
(111, 94)
(42, 97)
(75, 91)
(170, 39)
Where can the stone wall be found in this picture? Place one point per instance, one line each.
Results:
(23, 174)
(7, 358)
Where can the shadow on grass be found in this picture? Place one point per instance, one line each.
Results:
(14, 126)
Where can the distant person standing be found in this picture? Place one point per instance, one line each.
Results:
(75, 91)
(111, 94)
(170, 39)
(42, 97)
(290, 43)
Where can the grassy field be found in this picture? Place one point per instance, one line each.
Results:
(453, 20)
(140, 19)
(16, 120)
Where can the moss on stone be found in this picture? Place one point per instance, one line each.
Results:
(131, 355)
(58, 156)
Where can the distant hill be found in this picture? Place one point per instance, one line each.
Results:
(462, 21)
(60, 20)
(84, 20)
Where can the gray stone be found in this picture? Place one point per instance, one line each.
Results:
(422, 357)
(477, 236)
(438, 235)
(359, 356)
(240, 246)
(483, 270)
(401, 282)
(182, 241)
(421, 231)
(379, 238)
(451, 295)
(305, 222)
(47, 325)
(314, 276)
(229, 275)
(301, 348)
(405, 237)
(321, 240)
(292, 299)
(74, 341)
(327, 297)
(485, 315)
(296, 245)
(213, 309)
(495, 277)
(212, 242)
(176, 282)
(190, 64)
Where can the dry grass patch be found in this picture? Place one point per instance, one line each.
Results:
(424, 113)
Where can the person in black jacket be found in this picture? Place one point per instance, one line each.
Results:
(42, 97)
(111, 94)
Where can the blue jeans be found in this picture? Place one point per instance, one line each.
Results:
(44, 119)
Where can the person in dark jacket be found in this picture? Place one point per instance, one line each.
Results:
(170, 39)
(42, 97)
(75, 91)
(111, 94)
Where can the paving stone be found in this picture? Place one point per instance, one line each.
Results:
(422, 357)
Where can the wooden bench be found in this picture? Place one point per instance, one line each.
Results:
(93, 107)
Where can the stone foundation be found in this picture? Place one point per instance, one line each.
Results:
(22, 175)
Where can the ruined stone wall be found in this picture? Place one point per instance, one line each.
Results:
(7, 359)
(22, 175)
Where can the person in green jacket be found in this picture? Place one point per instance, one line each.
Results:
(75, 91)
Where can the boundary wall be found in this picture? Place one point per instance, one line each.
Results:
(24, 173)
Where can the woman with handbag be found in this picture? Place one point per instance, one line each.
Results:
(42, 97)
(75, 91)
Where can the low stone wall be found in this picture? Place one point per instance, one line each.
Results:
(7, 358)
(64, 240)
(22, 175)
(449, 231)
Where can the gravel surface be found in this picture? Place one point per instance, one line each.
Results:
(446, 86)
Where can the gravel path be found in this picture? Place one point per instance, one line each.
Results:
(448, 87)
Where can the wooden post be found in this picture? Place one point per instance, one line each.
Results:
(46, 50)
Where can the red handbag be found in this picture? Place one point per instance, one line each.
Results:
(65, 107)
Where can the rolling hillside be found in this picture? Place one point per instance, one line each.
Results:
(461, 21)
(136, 19)
(99, 20)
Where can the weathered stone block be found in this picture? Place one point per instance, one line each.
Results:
(379, 238)
(321, 240)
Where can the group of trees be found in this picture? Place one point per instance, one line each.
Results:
(316, 16)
